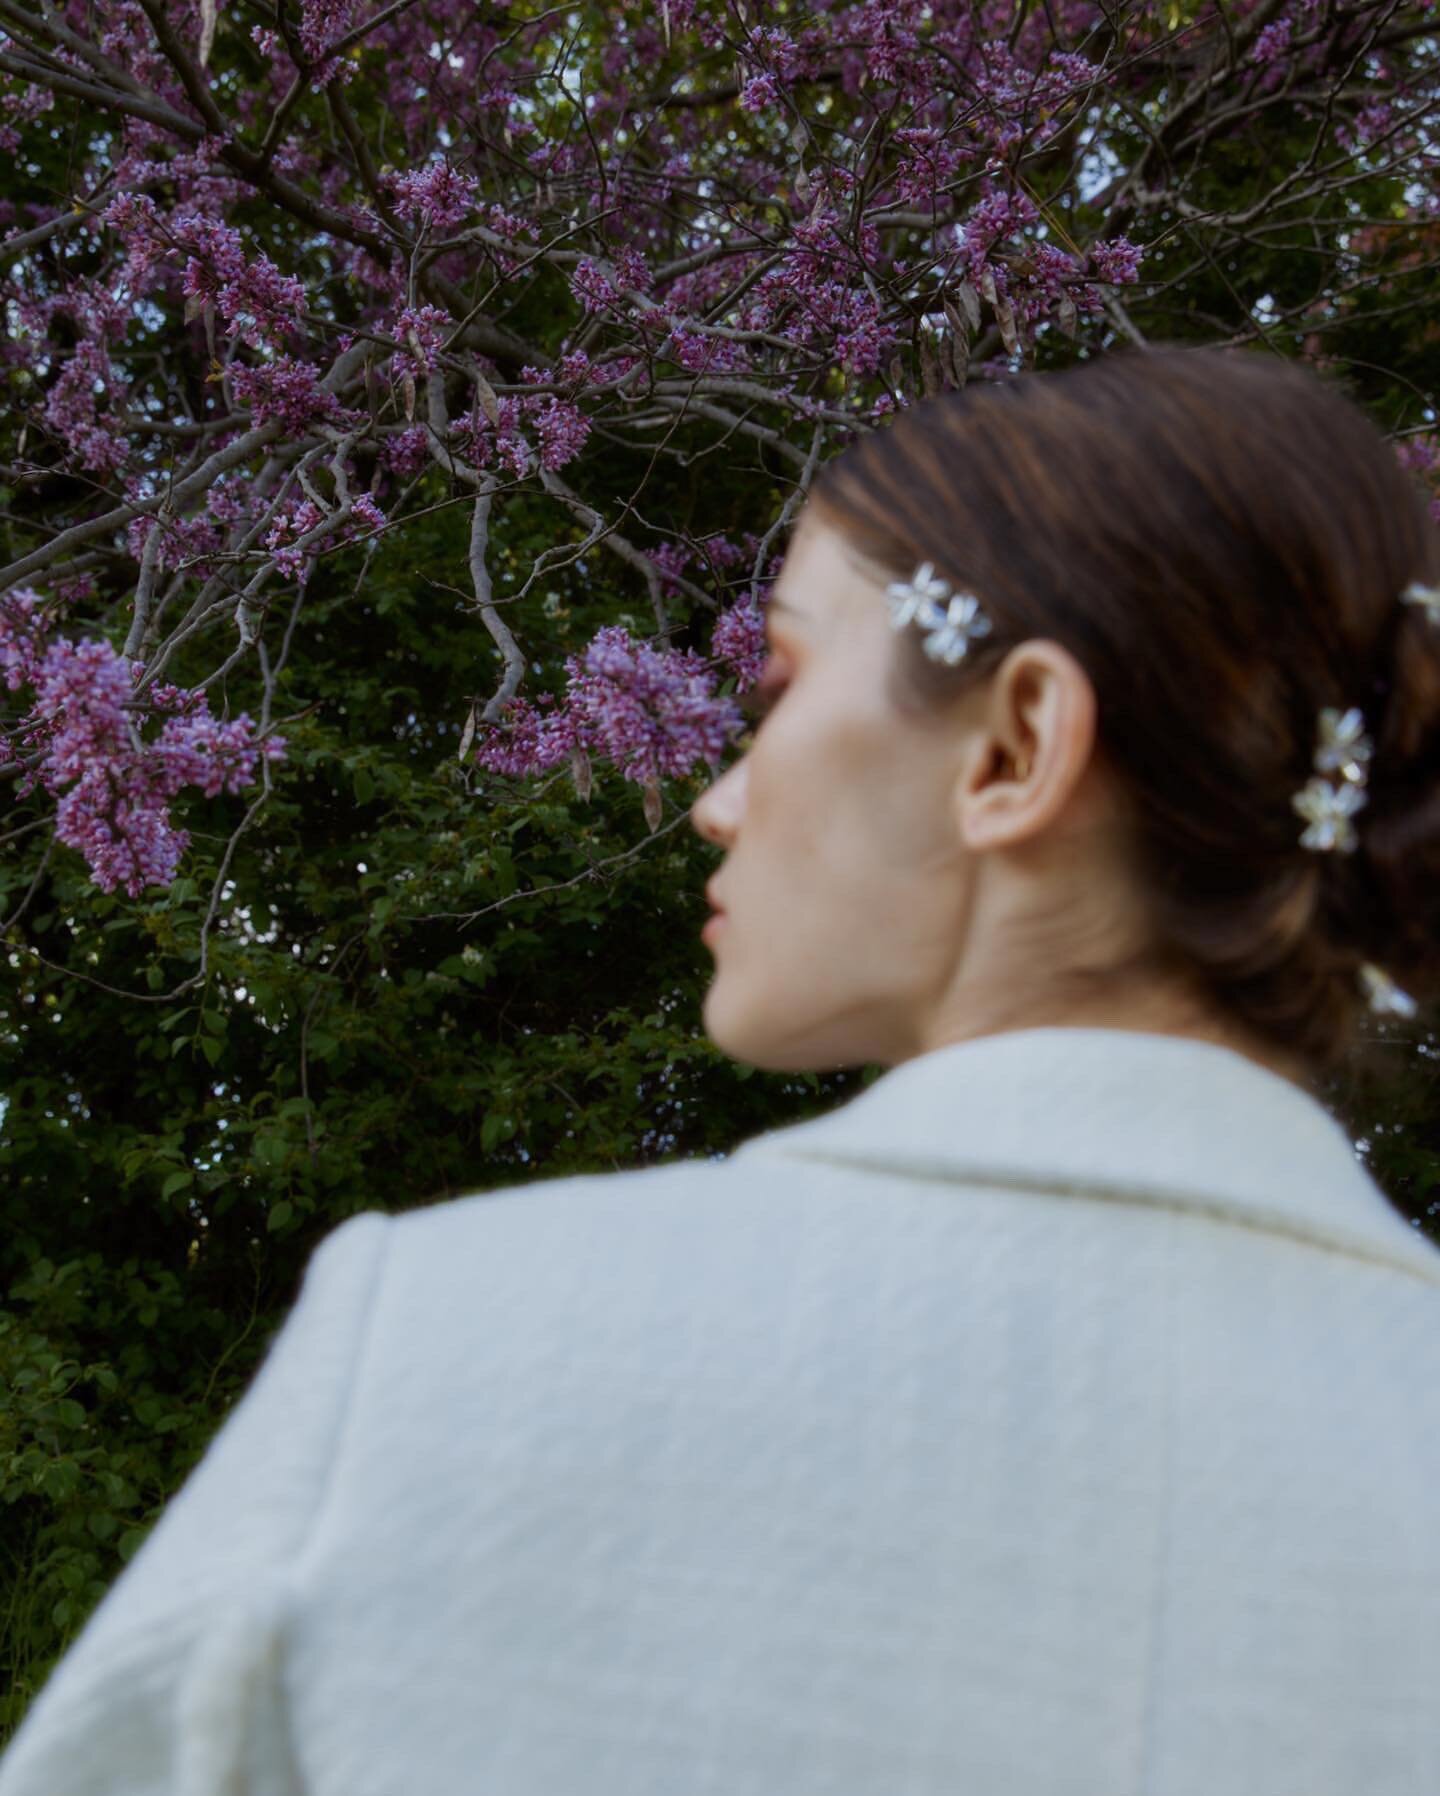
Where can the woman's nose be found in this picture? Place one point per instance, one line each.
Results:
(715, 814)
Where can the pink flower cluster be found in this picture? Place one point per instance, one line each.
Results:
(252, 298)
(559, 425)
(592, 287)
(422, 329)
(739, 638)
(1273, 41)
(650, 712)
(407, 451)
(288, 391)
(289, 523)
(321, 23)
(293, 521)
(700, 353)
(76, 408)
(438, 196)
(816, 298)
(83, 736)
(1117, 260)
(562, 429)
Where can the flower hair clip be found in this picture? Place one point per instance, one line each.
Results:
(1417, 593)
(1343, 748)
(1383, 993)
(951, 620)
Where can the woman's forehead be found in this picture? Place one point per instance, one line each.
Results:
(825, 574)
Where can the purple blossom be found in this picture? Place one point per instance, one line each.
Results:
(751, 239)
(438, 196)
(997, 217)
(253, 298)
(73, 408)
(592, 287)
(930, 161)
(116, 810)
(671, 560)
(286, 390)
(191, 541)
(739, 639)
(527, 743)
(424, 329)
(1272, 42)
(291, 521)
(759, 92)
(483, 443)
(652, 713)
(1116, 259)
(704, 354)
(562, 429)
(321, 23)
(407, 451)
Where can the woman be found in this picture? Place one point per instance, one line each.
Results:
(1060, 1414)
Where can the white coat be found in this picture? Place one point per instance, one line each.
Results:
(1059, 1416)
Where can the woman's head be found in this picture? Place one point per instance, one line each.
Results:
(1185, 556)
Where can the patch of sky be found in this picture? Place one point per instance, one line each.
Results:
(1099, 165)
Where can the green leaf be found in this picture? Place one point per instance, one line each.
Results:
(279, 1215)
(178, 1181)
(270, 1150)
(131, 1542)
(495, 1129)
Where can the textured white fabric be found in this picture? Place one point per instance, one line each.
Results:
(1058, 1417)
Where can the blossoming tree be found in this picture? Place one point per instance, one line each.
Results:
(304, 266)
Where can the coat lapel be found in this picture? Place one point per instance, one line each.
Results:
(1116, 1115)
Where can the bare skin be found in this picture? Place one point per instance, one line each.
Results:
(892, 884)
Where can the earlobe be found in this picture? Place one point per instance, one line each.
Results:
(1002, 809)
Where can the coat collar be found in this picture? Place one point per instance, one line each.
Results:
(1116, 1114)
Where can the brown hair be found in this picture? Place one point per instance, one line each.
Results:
(1220, 538)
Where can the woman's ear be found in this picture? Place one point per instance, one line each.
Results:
(1031, 747)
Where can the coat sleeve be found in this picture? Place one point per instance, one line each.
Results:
(175, 1682)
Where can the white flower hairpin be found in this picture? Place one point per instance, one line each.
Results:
(951, 623)
(1383, 992)
(1417, 593)
(1345, 749)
